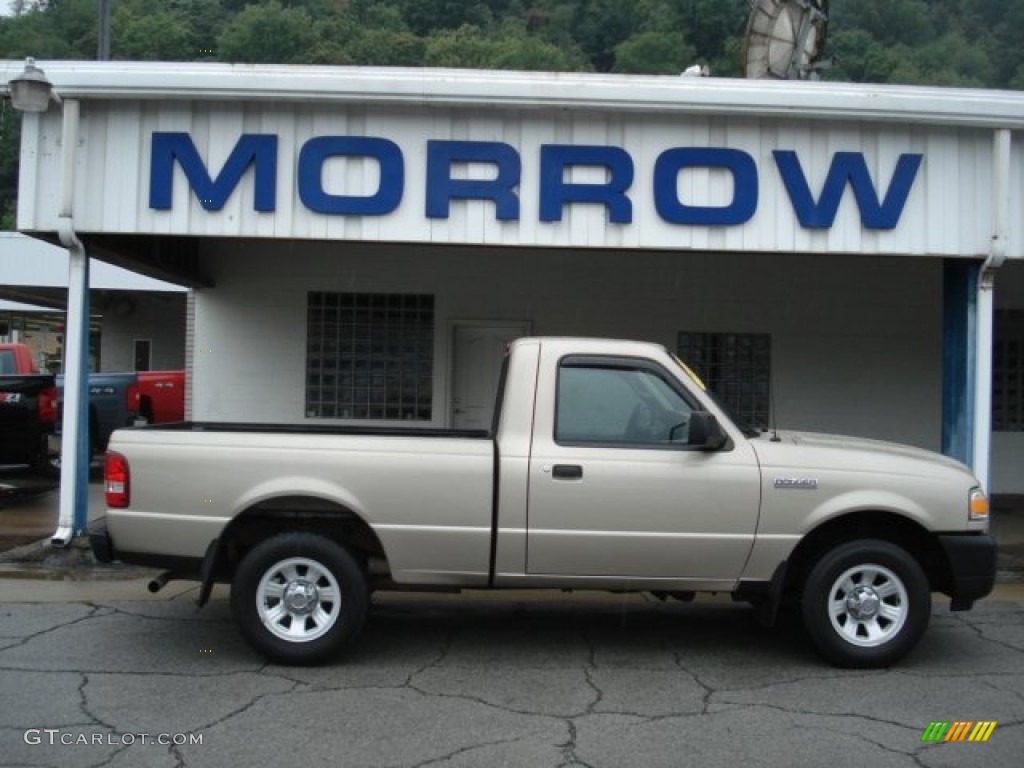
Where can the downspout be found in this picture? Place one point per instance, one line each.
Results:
(982, 459)
(74, 469)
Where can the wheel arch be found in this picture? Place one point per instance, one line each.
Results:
(291, 512)
(883, 525)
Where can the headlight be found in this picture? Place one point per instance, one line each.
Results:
(977, 505)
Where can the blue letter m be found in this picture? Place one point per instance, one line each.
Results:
(847, 167)
(258, 150)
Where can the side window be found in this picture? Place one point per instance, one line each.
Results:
(618, 405)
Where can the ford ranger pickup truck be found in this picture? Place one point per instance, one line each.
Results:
(608, 467)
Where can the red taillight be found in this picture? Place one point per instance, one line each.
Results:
(47, 404)
(117, 480)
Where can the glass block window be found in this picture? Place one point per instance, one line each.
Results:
(369, 356)
(736, 367)
(1008, 372)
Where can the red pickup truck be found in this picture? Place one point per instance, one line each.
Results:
(16, 358)
(160, 396)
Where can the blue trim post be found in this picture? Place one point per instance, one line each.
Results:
(81, 515)
(959, 354)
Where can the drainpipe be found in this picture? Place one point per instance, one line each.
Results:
(981, 463)
(74, 468)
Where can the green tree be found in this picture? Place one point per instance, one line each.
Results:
(50, 33)
(892, 22)
(140, 32)
(268, 33)
(861, 58)
(712, 25)
(388, 47)
(655, 53)
(468, 46)
(507, 47)
(425, 16)
(600, 25)
(521, 50)
(10, 141)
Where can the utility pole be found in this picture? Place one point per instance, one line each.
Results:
(103, 41)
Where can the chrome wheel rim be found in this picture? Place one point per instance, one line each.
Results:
(868, 605)
(298, 600)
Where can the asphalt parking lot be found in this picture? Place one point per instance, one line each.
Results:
(94, 670)
(95, 674)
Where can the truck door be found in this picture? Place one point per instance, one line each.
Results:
(615, 491)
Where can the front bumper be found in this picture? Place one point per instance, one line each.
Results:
(972, 567)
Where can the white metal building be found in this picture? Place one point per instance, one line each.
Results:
(362, 241)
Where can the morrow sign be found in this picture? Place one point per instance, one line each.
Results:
(260, 151)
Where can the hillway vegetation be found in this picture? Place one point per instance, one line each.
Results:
(969, 43)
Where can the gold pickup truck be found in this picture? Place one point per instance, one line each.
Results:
(608, 467)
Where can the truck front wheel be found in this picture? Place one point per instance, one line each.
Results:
(299, 598)
(866, 604)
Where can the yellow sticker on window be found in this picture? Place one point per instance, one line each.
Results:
(691, 374)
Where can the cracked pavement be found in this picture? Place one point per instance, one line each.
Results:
(525, 679)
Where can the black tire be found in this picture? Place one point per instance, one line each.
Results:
(866, 604)
(146, 409)
(322, 598)
(47, 465)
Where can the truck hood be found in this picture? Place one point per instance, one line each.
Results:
(812, 451)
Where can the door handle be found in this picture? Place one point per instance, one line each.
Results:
(567, 472)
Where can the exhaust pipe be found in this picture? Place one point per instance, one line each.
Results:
(159, 582)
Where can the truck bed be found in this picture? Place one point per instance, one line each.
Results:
(428, 494)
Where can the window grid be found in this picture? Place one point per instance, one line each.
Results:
(369, 356)
(736, 367)
(1008, 373)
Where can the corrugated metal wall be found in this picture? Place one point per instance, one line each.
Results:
(947, 212)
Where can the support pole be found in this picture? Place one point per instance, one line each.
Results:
(982, 459)
(959, 357)
(74, 469)
(103, 36)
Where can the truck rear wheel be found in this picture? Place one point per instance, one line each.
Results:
(299, 598)
(866, 604)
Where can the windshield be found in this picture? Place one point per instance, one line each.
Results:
(743, 426)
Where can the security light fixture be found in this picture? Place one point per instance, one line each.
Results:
(31, 91)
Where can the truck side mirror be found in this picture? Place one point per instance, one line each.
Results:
(705, 432)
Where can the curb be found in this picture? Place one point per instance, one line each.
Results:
(40, 560)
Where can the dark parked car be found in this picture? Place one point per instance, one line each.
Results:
(28, 415)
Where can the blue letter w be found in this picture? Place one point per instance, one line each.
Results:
(258, 150)
(847, 167)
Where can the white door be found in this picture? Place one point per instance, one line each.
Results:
(478, 350)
